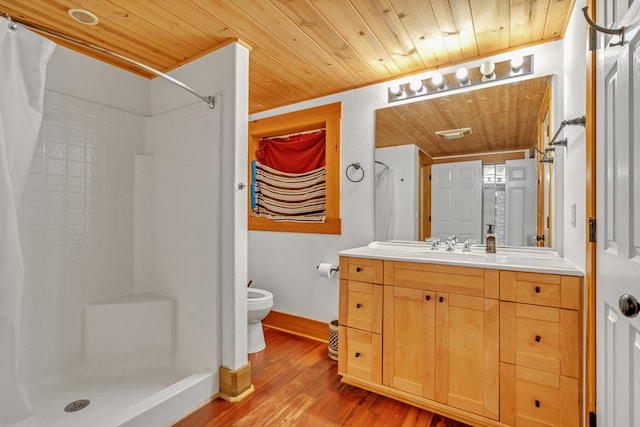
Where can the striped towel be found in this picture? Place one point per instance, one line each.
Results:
(296, 197)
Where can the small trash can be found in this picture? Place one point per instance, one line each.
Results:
(333, 340)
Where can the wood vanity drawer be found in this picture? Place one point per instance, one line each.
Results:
(361, 305)
(443, 278)
(551, 290)
(361, 269)
(360, 354)
(544, 338)
(531, 397)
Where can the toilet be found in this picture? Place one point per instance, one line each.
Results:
(259, 303)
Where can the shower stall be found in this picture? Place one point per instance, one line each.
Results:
(121, 318)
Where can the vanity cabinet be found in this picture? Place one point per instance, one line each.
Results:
(360, 319)
(540, 349)
(441, 335)
(485, 346)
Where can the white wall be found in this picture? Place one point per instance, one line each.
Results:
(575, 52)
(403, 160)
(200, 230)
(84, 78)
(285, 263)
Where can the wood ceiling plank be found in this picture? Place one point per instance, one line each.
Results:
(464, 20)
(53, 15)
(133, 33)
(251, 31)
(152, 15)
(491, 23)
(385, 23)
(419, 20)
(451, 31)
(271, 87)
(206, 24)
(528, 20)
(355, 31)
(322, 47)
(304, 30)
(558, 16)
(126, 31)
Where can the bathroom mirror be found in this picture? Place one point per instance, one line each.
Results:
(491, 129)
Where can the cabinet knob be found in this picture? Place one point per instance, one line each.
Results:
(428, 297)
(357, 354)
(537, 403)
(441, 299)
(358, 305)
(538, 338)
(358, 269)
(537, 289)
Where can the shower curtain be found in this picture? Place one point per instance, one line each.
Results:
(385, 205)
(23, 61)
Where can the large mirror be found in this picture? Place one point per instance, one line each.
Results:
(452, 164)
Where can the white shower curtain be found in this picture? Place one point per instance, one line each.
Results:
(385, 205)
(23, 60)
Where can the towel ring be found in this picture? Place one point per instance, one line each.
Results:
(357, 167)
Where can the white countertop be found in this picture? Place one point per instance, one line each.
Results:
(539, 260)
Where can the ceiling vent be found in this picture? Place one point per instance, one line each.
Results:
(454, 133)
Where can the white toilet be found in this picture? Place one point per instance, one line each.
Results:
(259, 303)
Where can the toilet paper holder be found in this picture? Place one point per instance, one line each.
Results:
(332, 268)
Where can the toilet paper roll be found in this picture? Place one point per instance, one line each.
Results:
(325, 270)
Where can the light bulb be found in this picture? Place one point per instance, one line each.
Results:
(438, 81)
(487, 69)
(415, 85)
(463, 75)
(395, 89)
(516, 63)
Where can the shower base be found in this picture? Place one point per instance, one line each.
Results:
(149, 400)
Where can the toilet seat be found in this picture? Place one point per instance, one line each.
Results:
(258, 295)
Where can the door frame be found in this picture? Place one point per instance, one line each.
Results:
(590, 210)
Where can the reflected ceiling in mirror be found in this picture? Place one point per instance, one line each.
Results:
(502, 118)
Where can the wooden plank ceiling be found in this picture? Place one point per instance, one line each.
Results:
(303, 49)
(502, 118)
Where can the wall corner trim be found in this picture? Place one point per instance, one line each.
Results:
(235, 384)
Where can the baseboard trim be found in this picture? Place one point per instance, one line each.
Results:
(235, 384)
(297, 325)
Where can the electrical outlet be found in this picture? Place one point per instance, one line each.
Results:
(573, 215)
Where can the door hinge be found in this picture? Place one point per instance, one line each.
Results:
(593, 420)
(429, 177)
(429, 218)
(593, 231)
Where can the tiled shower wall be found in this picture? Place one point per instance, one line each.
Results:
(76, 223)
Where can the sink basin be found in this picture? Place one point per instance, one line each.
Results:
(453, 255)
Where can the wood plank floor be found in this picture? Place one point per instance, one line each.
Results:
(296, 384)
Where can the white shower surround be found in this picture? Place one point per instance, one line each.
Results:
(77, 217)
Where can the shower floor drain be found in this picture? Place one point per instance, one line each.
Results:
(76, 405)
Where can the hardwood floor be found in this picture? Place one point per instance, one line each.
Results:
(296, 384)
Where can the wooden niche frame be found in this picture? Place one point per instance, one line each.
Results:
(326, 116)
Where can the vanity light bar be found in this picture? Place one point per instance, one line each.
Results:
(500, 71)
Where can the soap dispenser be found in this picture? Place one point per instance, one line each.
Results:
(490, 240)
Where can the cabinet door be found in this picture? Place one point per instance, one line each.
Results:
(409, 337)
(467, 353)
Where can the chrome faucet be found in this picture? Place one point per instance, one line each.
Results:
(434, 243)
(467, 245)
(451, 243)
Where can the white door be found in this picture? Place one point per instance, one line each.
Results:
(456, 200)
(618, 214)
(521, 191)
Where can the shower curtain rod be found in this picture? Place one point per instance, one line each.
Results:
(210, 100)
